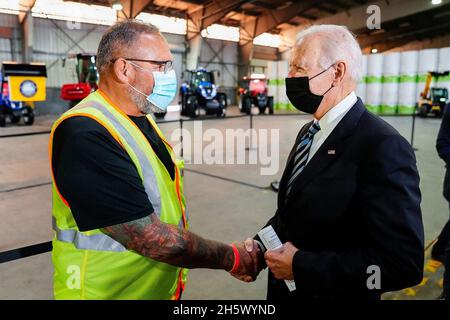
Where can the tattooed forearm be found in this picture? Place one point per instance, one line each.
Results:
(166, 243)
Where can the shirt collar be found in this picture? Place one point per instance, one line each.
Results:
(329, 121)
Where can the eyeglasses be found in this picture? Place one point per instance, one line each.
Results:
(164, 65)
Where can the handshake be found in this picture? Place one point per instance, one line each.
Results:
(251, 260)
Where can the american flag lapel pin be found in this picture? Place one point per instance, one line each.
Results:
(332, 152)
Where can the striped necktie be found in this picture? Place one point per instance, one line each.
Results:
(301, 154)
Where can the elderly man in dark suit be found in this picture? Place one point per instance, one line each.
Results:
(441, 249)
(348, 212)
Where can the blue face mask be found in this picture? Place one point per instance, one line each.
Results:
(164, 88)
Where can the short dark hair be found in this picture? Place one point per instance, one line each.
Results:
(120, 35)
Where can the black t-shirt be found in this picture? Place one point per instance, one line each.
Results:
(97, 177)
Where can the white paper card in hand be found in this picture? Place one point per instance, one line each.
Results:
(271, 241)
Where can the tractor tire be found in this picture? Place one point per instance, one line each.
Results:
(221, 113)
(183, 105)
(14, 118)
(247, 104)
(2, 119)
(222, 99)
(270, 104)
(192, 107)
(160, 115)
(28, 116)
(262, 110)
(423, 110)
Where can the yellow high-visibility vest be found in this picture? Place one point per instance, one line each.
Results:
(92, 265)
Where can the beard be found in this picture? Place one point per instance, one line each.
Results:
(142, 103)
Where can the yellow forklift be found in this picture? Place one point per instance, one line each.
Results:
(433, 99)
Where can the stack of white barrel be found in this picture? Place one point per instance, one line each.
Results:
(373, 80)
(389, 92)
(407, 87)
(428, 60)
(272, 75)
(283, 101)
(361, 88)
(444, 65)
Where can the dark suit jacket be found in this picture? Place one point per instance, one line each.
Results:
(443, 148)
(352, 208)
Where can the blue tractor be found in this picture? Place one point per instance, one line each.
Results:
(15, 110)
(200, 92)
(21, 85)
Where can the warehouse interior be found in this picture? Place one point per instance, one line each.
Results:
(406, 47)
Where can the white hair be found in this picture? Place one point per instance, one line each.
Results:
(337, 44)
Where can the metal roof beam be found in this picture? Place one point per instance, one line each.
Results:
(132, 8)
(24, 6)
(209, 14)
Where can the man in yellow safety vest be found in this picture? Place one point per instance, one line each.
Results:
(121, 230)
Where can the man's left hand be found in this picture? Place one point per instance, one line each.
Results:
(280, 261)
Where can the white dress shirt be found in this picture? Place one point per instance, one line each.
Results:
(329, 121)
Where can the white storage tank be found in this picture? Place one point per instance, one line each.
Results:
(444, 65)
(272, 76)
(389, 93)
(373, 80)
(428, 61)
(361, 87)
(283, 101)
(407, 98)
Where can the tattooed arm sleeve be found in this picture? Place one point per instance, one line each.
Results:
(163, 242)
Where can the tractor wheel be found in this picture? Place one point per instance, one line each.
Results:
(192, 107)
(423, 110)
(160, 115)
(270, 104)
(28, 115)
(15, 118)
(247, 104)
(221, 113)
(183, 105)
(222, 98)
(2, 119)
(262, 110)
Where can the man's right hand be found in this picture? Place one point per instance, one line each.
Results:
(251, 260)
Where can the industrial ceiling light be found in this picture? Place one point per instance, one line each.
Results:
(374, 50)
(117, 6)
(436, 2)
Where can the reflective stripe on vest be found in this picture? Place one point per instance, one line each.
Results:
(149, 179)
(99, 242)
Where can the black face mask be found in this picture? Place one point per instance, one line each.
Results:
(298, 92)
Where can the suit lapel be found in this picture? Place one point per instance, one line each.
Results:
(289, 164)
(329, 151)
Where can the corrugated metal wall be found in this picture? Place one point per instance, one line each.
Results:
(55, 39)
(11, 49)
(222, 56)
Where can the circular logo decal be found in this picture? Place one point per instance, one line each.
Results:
(28, 88)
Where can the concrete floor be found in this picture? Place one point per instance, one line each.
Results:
(218, 209)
